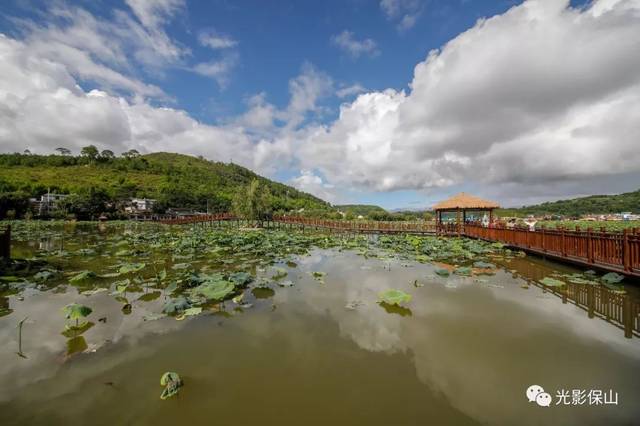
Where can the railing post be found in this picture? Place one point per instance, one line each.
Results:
(590, 245)
(563, 249)
(626, 251)
(544, 247)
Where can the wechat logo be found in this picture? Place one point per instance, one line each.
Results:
(535, 393)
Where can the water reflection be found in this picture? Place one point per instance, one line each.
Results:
(463, 351)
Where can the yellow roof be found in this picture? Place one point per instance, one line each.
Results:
(465, 201)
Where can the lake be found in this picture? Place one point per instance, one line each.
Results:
(309, 341)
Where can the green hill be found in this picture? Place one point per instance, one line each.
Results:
(361, 209)
(594, 204)
(175, 180)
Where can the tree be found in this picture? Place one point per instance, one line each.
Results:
(91, 152)
(253, 202)
(107, 154)
(63, 151)
(132, 153)
(14, 203)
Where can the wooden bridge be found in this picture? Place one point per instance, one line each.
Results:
(610, 251)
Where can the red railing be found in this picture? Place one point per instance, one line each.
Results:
(610, 250)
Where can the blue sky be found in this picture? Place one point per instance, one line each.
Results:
(339, 98)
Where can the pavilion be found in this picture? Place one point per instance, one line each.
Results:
(460, 204)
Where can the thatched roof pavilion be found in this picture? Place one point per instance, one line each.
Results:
(460, 204)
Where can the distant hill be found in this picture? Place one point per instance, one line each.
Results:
(175, 180)
(594, 204)
(361, 209)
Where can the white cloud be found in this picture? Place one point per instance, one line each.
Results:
(347, 42)
(310, 182)
(153, 14)
(541, 98)
(215, 40)
(543, 94)
(218, 69)
(404, 12)
(346, 91)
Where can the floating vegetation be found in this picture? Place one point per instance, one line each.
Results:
(611, 278)
(394, 297)
(76, 312)
(551, 282)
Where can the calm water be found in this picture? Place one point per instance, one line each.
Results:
(463, 352)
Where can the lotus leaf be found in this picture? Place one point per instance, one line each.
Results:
(442, 272)
(177, 305)
(82, 276)
(463, 270)
(394, 297)
(611, 278)
(214, 290)
(551, 282)
(241, 279)
(128, 268)
(483, 265)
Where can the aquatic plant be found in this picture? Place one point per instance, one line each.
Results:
(75, 311)
(394, 297)
(172, 384)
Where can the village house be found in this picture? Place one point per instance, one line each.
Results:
(140, 205)
(47, 203)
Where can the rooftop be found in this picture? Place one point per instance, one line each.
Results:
(465, 201)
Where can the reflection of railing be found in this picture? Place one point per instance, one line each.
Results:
(5, 242)
(614, 308)
(614, 251)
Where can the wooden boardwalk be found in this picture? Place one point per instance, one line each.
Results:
(610, 251)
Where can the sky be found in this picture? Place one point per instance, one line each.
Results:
(398, 103)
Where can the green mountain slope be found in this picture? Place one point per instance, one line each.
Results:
(361, 209)
(594, 204)
(175, 180)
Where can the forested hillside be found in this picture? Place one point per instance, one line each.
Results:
(594, 204)
(175, 180)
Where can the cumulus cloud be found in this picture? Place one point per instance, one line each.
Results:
(404, 12)
(348, 43)
(543, 98)
(42, 106)
(542, 94)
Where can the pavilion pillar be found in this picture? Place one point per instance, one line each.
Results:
(490, 217)
(464, 220)
(458, 220)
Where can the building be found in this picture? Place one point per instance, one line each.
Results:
(47, 204)
(140, 205)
